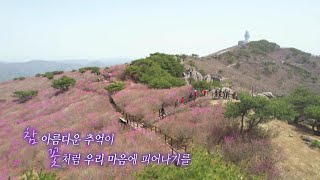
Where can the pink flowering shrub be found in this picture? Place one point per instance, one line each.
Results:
(117, 71)
(194, 123)
(84, 108)
(140, 101)
(229, 140)
(257, 156)
(221, 131)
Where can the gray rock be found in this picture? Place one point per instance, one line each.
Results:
(199, 77)
(268, 94)
(307, 139)
(260, 94)
(184, 75)
(207, 78)
(196, 75)
(216, 78)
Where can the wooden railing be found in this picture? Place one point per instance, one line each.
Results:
(133, 121)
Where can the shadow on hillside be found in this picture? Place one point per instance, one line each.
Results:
(19, 101)
(59, 92)
(302, 128)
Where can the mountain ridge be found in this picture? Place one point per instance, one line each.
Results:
(263, 66)
(10, 70)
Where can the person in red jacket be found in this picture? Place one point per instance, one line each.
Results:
(182, 100)
(204, 92)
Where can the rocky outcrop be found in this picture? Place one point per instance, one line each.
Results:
(192, 72)
(196, 75)
(216, 78)
(207, 78)
(268, 94)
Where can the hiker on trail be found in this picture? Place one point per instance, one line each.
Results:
(176, 104)
(182, 100)
(216, 93)
(235, 95)
(190, 97)
(204, 92)
(189, 72)
(195, 94)
(220, 91)
(162, 112)
(213, 93)
(227, 94)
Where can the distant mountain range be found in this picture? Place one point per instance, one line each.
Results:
(10, 70)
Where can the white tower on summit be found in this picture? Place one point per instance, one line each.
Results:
(246, 37)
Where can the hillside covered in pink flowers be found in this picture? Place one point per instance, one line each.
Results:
(147, 107)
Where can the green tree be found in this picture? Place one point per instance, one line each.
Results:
(160, 83)
(157, 71)
(241, 109)
(262, 47)
(25, 95)
(94, 70)
(49, 75)
(116, 86)
(82, 70)
(301, 98)
(63, 83)
(313, 112)
(257, 110)
(135, 72)
(170, 63)
(57, 72)
(19, 78)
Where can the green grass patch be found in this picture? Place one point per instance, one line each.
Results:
(203, 166)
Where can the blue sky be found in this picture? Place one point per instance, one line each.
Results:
(94, 29)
